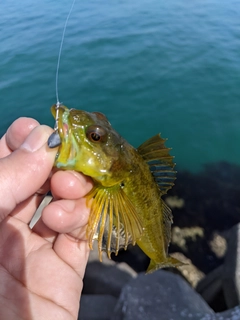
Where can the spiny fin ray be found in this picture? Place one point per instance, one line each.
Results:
(167, 222)
(113, 220)
(160, 162)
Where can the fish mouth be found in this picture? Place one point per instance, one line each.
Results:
(63, 138)
(55, 138)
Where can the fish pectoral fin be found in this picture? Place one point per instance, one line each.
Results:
(113, 220)
(160, 162)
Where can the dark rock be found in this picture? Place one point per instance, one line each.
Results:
(211, 202)
(134, 257)
(224, 282)
(105, 279)
(96, 307)
(211, 289)
(187, 270)
(231, 269)
(233, 314)
(161, 295)
(94, 255)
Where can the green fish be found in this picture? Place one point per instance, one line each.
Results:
(125, 203)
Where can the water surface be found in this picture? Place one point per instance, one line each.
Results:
(151, 66)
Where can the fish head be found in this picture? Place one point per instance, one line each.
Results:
(88, 144)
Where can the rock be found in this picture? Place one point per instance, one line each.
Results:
(180, 236)
(231, 269)
(192, 274)
(233, 314)
(126, 268)
(211, 202)
(106, 279)
(218, 245)
(174, 202)
(134, 257)
(225, 280)
(96, 307)
(210, 287)
(94, 255)
(161, 295)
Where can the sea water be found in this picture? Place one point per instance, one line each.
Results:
(150, 65)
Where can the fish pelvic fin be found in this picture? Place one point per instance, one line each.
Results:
(113, 220)
(167, 263)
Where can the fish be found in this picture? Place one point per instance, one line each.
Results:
(126, 205)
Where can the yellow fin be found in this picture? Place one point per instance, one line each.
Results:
(167, 263)
(160, 162)
(167, 222)
(113, 220)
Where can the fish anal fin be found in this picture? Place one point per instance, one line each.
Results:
(160, 162)
(167, 222)
(113, 220)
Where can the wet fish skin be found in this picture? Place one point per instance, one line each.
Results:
(126, 204)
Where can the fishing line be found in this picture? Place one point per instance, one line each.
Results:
(54, 139)
(58, 62)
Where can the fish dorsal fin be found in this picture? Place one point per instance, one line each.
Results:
(160, 162)
(167, 222)
(113, 220)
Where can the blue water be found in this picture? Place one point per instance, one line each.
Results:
(150, 65)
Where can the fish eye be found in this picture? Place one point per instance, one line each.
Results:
(96, 134)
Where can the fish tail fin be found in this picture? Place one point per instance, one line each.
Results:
(167, 263)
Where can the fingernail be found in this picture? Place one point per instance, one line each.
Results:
(36, 139)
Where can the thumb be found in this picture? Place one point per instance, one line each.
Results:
(25, 170)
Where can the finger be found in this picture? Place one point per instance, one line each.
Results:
(24, 210)
(70, 185)
(75, 253)
(67, 216)
(4, 149)
(18, 132)
(44, 232)
(25, 170)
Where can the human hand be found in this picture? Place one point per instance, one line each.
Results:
(41, 270)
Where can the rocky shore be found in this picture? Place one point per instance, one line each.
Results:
(205, 235)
